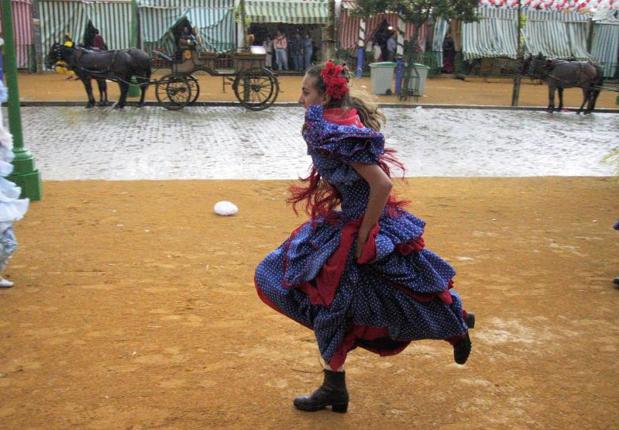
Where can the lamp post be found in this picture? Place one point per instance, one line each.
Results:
(24, 175)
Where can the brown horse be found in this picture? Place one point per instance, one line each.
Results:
(560, 74)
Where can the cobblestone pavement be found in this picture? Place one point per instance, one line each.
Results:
(232, 143)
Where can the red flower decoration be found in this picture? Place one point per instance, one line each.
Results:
(336, 84)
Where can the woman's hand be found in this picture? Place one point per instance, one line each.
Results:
(361, 241)
(380, 187)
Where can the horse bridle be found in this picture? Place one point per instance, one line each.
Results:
(78, 54)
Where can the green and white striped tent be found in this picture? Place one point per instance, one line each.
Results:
(605, 43)
(113, 19)
(441, 27)
(287, 11)
(555, 34)
(494, 35)
(212, 19)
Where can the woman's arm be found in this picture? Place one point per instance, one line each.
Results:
(380, 187)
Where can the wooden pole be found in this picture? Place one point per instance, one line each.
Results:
(519, 56)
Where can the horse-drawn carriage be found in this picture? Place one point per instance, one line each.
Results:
(255, 86)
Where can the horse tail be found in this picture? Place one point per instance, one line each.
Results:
(147, 70)
(596, 87)
(600, 77)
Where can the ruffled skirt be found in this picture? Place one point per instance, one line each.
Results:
(396, 292)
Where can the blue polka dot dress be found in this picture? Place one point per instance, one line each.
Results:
(397, 292)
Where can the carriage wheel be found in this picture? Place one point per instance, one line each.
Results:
(195, 88)
(256, 89)
(173, 92)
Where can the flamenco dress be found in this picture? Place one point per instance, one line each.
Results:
(12, 208)
(398, 291)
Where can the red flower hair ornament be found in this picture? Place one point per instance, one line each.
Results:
(336, 83)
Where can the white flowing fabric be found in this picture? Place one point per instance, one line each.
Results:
(12, 208)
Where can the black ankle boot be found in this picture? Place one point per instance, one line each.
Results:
(332, 393)
(462, 349)
(470, 320)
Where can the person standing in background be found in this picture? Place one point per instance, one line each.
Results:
(296, 51)
(92, 38)
(308, 51)
(268, 48)
(98, 42)
(391, 47)
(449, 54)
(281, 54)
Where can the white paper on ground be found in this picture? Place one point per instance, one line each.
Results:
(225, 208)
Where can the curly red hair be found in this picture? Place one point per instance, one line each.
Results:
(319, 198)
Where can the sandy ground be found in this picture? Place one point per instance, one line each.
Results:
(440, 90)
(134, 308)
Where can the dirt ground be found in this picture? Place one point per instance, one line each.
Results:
(134, 308)
(440, 90)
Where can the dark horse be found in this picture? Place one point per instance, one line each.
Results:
(119, 66)
(560, 74)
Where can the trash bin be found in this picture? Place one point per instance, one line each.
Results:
(382, 77)
(417, 84)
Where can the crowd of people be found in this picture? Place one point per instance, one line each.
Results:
(384, 47)
(384, 42)
(293, 53)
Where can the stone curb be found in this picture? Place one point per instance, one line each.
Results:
(292, 104)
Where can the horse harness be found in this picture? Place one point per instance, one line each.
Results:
(102, 73)
(579, 83)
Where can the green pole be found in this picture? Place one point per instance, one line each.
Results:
(24, 174)
(134, 90)
(134, 24)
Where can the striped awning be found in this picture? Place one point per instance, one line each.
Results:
(113, 19)
(22, 29)
(441, 27)
(212, 19)
(494, 35)
(555, 34)
(605, 47)
(186, 4)
(288, 11)
(348, 29)
(214, 26)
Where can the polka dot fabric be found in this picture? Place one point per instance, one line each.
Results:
(403, 294)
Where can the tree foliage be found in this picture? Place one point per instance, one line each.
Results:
(419, 11)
